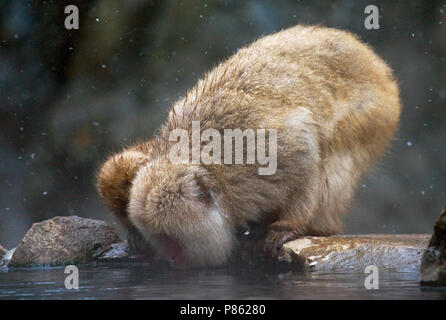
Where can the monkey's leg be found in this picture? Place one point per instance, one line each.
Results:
(293, 220)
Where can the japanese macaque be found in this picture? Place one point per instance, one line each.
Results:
(334, 106)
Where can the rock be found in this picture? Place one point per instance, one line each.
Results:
(74, 240)
(433, 266)
(2, 251)
(120, 251)
(400, 253)
(4, 260)
(64, 240)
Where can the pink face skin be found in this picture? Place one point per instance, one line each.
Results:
(174, 250)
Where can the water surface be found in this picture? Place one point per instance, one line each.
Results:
(142, 281)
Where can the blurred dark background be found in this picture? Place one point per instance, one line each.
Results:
(68, 98)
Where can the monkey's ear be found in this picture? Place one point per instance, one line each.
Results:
(114, 179)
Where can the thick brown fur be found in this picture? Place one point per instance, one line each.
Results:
(335, 105)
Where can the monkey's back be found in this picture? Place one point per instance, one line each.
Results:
(326, 71)
(333, 101)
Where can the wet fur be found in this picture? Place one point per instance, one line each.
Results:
(335, 105)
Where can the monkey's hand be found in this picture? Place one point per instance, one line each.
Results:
(274, 241)
(137, 243)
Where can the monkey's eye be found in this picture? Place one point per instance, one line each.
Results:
(203, 196)
(242, 232)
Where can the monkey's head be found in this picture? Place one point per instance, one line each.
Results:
(178, 216)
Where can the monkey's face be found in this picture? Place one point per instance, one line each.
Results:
(178, 217)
